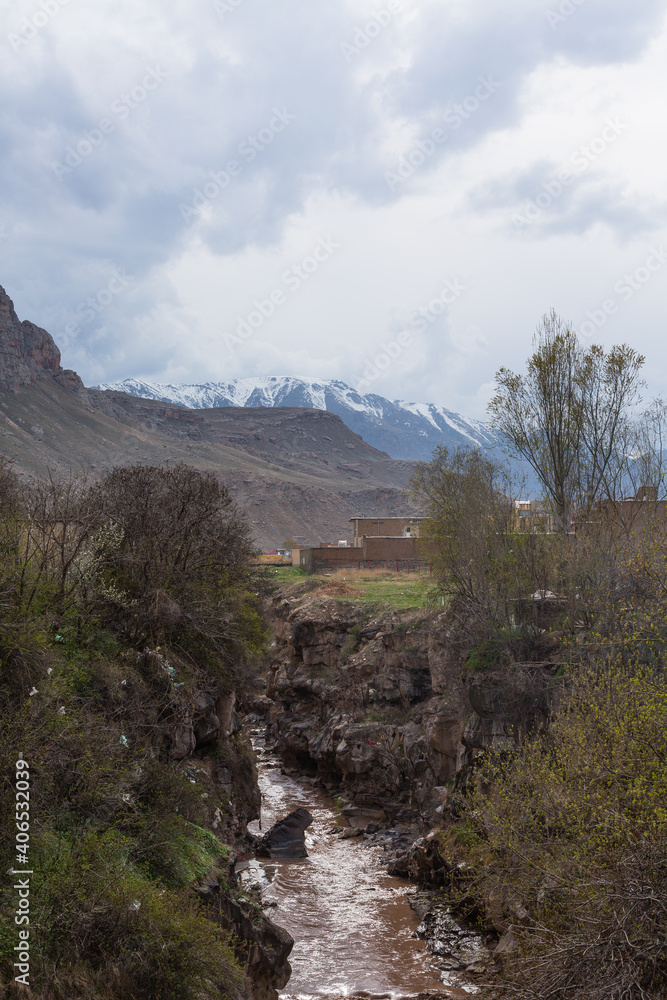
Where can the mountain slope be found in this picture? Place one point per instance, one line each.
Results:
(295, 472)
(404, 430)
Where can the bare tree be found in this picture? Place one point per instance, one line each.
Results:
(472, 534)
(567, 415)
(60, 519)
(180, 571)
(632, 487)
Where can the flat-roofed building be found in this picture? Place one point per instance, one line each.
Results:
(378, 543)
(385, 527)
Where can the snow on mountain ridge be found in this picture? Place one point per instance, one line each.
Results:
(401, 428)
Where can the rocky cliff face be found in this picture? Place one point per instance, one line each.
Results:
(27, 351)
(204, 739)
(380, 708)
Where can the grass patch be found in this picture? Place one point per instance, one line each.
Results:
(373, 586)
(282, 575)
(400, 590)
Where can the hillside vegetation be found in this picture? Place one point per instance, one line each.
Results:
(559, 836)
(122, 600)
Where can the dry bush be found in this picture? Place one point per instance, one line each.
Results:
(338, 588)
(59, 521)
(179, 572)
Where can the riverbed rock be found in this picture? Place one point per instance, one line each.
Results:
(262, 946)
(457, 948)
(286, 838)
(363, 817)
(423, 861)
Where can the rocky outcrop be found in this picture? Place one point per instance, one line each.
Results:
(203, 737)
(380, 707)
(422, 861)
(286, 838)
(26, 350)
(374, 706)
(206, 742)
(262, 947)
(458, 949)
(69, 380)
(507, 704)
(199, 719)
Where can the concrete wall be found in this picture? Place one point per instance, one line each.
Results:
(390, 548)
(313, 560)
(400, 554)
(387, 526)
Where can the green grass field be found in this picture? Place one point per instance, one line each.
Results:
(399, 590)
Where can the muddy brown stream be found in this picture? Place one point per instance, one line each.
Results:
(351, 922)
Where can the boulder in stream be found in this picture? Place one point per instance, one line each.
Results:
(286, 838)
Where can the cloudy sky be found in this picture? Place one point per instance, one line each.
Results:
(391, 193)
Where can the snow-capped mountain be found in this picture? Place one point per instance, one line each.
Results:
(402, 429)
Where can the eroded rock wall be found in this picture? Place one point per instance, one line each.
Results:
(380, 707)
(204, 739)
(26, 350)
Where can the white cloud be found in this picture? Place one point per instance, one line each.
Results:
(222, 79)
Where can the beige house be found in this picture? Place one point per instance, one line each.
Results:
(384, 527)
(379, 543)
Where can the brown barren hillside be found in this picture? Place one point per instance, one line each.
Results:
(297, 473)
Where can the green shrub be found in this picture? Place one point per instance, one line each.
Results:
(101, 919)
(352, 640)
(574, 828)
(181, 854)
